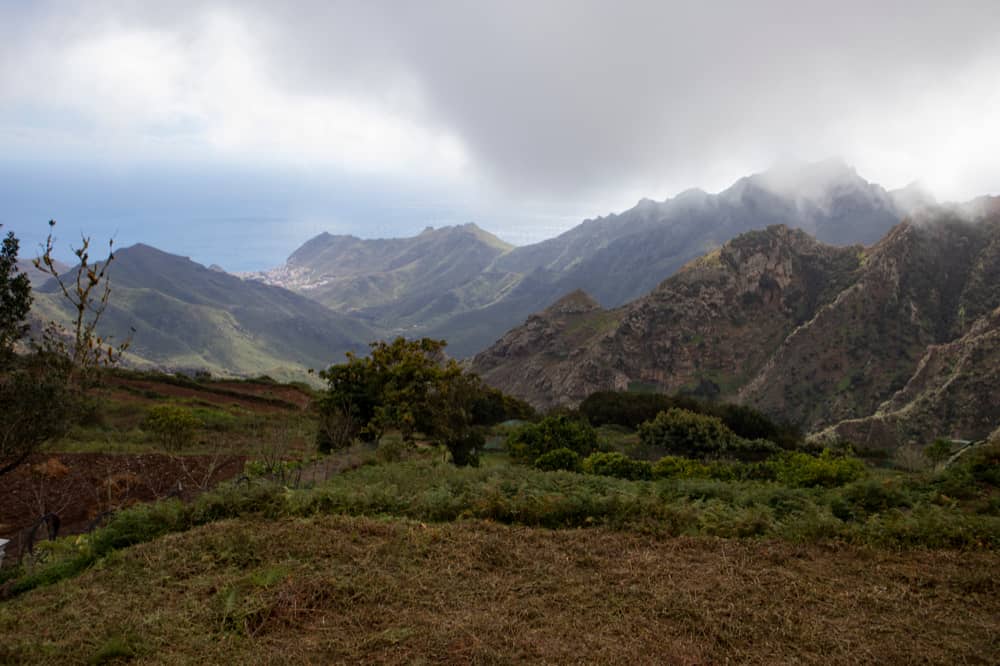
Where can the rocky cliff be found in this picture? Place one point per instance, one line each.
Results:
(809, 332)
(954, 392)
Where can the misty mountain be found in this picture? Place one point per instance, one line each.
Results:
(466, 286)
(810, 332)
(393, 283)
(187, 316)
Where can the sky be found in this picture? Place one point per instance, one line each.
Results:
(231, 132)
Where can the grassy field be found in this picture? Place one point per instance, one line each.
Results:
(337, 589)
(393, 555)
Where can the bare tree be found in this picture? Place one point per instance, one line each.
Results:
(88, 292)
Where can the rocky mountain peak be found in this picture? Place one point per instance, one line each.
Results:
(575, 302)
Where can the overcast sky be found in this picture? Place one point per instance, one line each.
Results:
(233, 131)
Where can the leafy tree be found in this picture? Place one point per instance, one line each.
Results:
(36, 406)
(450, 413)
(42, 393)
(347, 408)
(15, 295)
(685, 433)
(407, 385)
(532, 440)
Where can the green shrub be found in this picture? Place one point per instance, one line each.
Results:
(630, 409)
(751, 424)
(685, 433)
(617, 465)
(558, 459)
(984, 464)
(806, 471)
(956, 482)
(675, 467)
(751, 449)
(172, 425)
(530, 441)
(391, 449)
(465, 447)
(938, 451)
(869, 496)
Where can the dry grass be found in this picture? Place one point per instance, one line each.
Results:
(335, 589)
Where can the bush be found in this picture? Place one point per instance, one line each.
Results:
(751, 424)
(617, 465)
(172, 425)
(558, 459)
(391, 449)
(465, 447)
(806, 471)
(529, 442)
(336, 430)
(971, 476)
(984, 464)
(674, 467)
(685, 433)
(911, 458)
(630, 410)
(938, 451)
(866, 497)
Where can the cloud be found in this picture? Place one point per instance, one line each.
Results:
(203, 88)
(580, 103)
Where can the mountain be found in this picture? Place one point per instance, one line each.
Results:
(810, 332)
(827, 199)
(952, 393)
(187, 316)
(462, 284)
(714, 323)
(37, 277)
(389, 281)
(926, 283)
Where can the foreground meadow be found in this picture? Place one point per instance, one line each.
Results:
(338, 589)
(241, 544)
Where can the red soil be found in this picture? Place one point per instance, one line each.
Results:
(79, 487)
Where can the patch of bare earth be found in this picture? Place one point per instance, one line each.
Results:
(254, 396)
(349, 590)
(80, 487)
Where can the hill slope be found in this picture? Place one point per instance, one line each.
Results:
(465, 286)
(187, 316)
(810, 332)
(953, 393)
(292, 591)
(388, 281)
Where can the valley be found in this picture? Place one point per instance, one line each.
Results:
(375, 332)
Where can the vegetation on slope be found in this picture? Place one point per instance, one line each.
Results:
(345, 589)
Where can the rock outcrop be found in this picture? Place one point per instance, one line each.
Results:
(819, 335)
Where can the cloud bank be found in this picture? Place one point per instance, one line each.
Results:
(521, 109)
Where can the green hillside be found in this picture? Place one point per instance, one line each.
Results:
(188, 317)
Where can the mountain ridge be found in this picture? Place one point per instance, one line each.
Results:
(814, 333)
(614, 258)
(189, 317)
